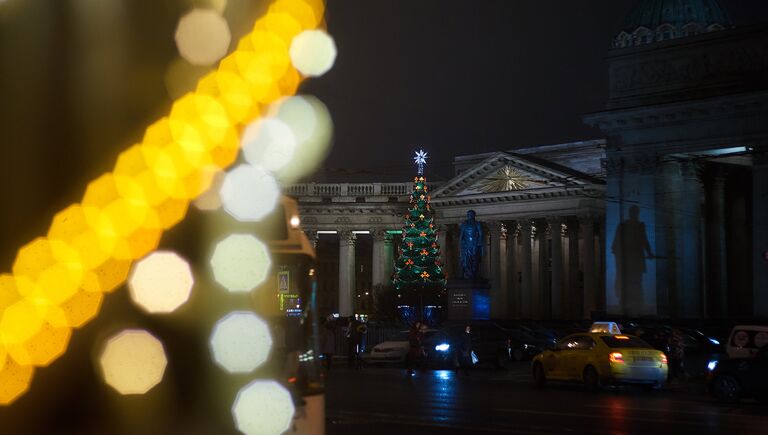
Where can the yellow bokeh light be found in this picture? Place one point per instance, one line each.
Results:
(240, 262)
(161, 282)
(43, 347)
(263, 408)
(313, 52)
(123, 214)
(133, 362)
(240, 342)
(14, 380)
(80, 308)
(202, 37)
(20, 322)
(249, 193)
(51, 268)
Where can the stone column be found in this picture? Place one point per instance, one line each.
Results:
(379, 274)
(542, 290)
(497, 294)
(512, 288)
(485, 264)
(575, 299)
(717, 284)
(526, 261)
(760, 236)
(688, 240)
(347, 291)
(557, 295)
(587, 227)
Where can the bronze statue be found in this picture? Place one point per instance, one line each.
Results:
(471, 246)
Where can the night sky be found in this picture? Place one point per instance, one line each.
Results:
(460, 77)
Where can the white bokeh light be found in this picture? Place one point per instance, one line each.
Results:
(310, 121)
(133, 362)
(313, 52)
(263, 408)
(240, 262)
(202, 37)
(269, 143)
(161, 282)
(240, 342)
(249, 193)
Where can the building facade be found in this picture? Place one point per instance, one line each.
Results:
(541, 208)
(666, 217)
(687, 176)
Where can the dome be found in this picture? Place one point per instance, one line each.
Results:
(659, 20)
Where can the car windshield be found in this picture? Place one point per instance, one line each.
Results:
(624, 341)
(400, 336)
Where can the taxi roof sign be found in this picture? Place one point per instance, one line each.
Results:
(605, 328)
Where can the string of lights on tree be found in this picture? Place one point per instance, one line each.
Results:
(418, 269)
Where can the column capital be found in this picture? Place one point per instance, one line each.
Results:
(347, 237)
(380, 235)
(494, 228)
(586, 218)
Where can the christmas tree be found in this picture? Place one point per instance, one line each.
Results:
(419, 278)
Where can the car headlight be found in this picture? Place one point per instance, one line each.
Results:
(714, 341)
(525, 346)
(442, 347)
(712, 365)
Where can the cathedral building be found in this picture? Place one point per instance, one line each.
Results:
(666, 217)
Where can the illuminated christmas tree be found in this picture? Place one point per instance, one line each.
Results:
(419, 278)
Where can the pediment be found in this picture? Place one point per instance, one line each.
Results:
(506, 172)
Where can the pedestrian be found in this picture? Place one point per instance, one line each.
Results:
(465, 350)
(415, 349)
(676, 354)
(355, 331)
(327, 344)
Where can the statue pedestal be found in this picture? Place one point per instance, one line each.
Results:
(468, 299)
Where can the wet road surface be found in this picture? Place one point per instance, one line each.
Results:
(383, 400)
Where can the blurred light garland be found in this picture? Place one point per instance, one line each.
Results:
(57, 281)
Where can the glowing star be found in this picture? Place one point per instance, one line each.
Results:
(420, 159)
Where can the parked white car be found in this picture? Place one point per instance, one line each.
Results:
(393, 350)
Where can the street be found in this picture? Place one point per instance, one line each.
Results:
(382, 400)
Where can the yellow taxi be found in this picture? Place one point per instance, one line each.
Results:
(600, 358)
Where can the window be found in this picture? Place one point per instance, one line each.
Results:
(624, 341)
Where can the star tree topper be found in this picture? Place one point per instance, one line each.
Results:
(420, 159)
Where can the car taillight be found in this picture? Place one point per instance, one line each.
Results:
(663, 359)
(616, 357)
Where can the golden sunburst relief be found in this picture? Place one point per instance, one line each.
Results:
(503, 180)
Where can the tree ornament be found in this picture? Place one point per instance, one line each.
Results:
(422, 234)
(424, 252)
(424, 275)
(421, 216)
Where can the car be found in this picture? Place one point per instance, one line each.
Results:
(735, 378)
(745, 340)
(700, 351)
(490, 342)
(599, 359)
(395, 349)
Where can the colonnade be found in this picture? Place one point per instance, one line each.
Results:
(538, 268)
